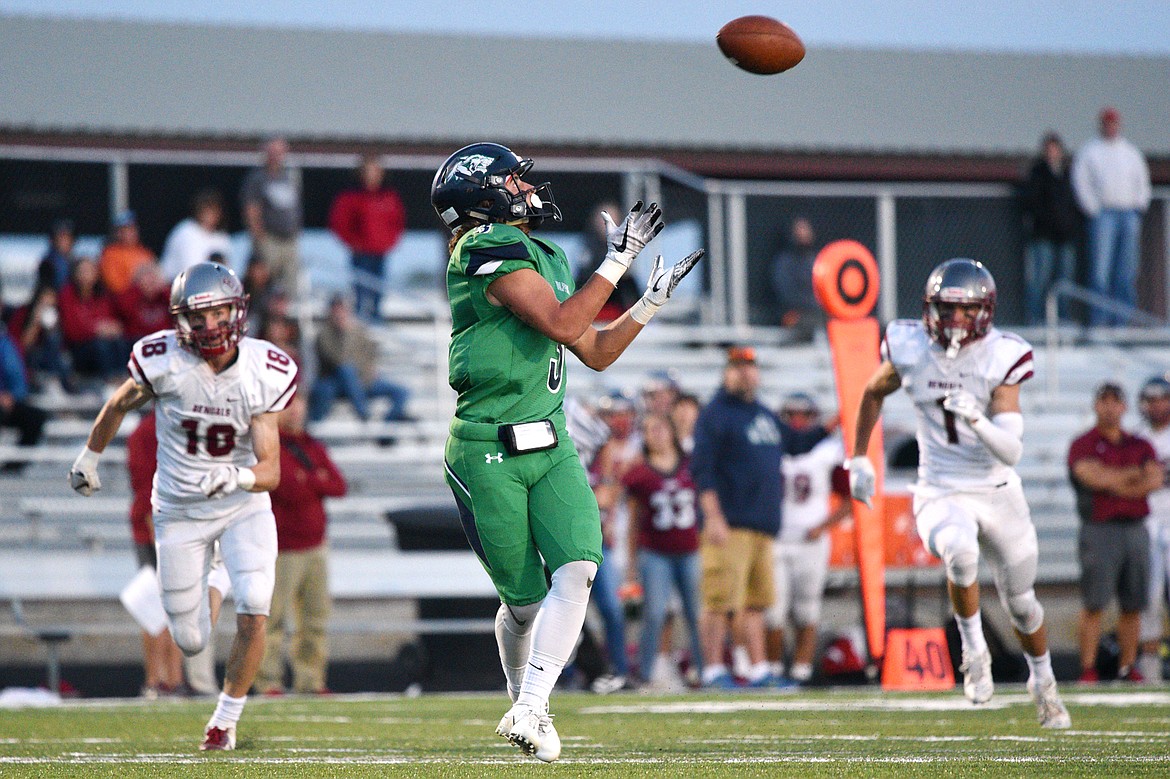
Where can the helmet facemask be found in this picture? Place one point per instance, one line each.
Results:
(213, 341)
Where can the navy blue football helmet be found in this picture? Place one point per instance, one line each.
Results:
(469, 189)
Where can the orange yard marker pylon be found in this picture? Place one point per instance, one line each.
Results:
(845, 280)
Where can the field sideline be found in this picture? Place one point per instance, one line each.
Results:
(841, 733)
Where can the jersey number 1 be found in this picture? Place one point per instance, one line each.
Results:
(949, 423)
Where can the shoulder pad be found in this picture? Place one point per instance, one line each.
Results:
(154, 357)
(488, 247)
(1011, 361)
(902, 334)
(271, 377)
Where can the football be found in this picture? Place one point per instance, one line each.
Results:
(760, 44)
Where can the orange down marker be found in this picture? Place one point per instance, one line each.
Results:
(845, 280)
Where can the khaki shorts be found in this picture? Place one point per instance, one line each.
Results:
(738, 574)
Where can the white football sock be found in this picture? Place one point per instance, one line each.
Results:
(757, 671)
(514, 638)
(227, 711)
(554, 634)
(1039, 667)
(971, 633)
(802, 672)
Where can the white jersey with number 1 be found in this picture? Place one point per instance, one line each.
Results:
(205, 418)
(949, 453)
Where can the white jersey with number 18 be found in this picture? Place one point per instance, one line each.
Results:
(205, 418)
(949, 453)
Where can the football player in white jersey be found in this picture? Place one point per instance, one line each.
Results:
(217, 396)
(963, 376)
(800, 553)
(1154, 401)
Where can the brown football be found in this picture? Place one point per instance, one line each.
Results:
(760, 44)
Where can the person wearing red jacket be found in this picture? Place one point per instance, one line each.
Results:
(92, 332)
(369, 220)
(308, 476)
(145, 306)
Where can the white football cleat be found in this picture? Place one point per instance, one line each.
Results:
(532, 732)
(219, 739)
(977, 682)
(1049, 707)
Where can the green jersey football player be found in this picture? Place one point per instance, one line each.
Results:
(522, 493)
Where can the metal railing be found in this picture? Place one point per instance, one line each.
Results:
(1153, 328)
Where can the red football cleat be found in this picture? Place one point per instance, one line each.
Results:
(219, 739)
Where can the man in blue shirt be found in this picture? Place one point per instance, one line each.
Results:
(736, 467)
(14, 411)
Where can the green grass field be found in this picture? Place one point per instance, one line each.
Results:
(841, 733)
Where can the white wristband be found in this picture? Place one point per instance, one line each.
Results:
(642, 311)
(611, 271)
(246, 478)
(88, 459)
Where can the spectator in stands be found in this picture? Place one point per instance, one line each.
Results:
(15, 411)
(801, 549)
(162, 660)
(1154, 403)
(1112, 472)
(36, 330)
(199, 237)
(663, 544)
(123, 255)
(1051, 223)
(616, 410)
(271, 201)
(792, 281)
(369, 219)
(684, 413)
(53, 270)
(258, 284)
(285, 333)
(593, 249)
(301, 594)
(1112, 185)
(739, 443)
(93, 334)
(145, 306)
(347, 366)
(659, 391)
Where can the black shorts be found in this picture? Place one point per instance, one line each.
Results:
(1115, 561)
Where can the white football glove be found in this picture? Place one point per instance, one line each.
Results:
(862, 479)
(627, 239)
(83, 476)
(662, 284)
(220, 481)
(963, 404)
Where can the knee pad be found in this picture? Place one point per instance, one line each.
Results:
(1026, 612)
(253, 592)
(572, 581)
(191, 630)
(959, 550)
(517, 620)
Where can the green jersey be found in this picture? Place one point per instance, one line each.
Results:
(504, 371)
